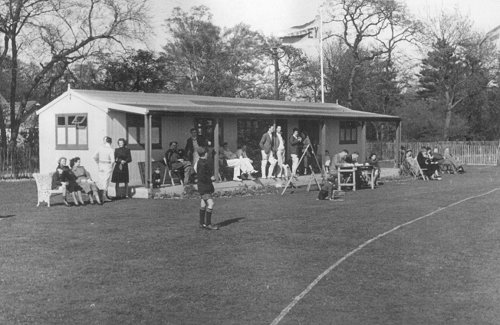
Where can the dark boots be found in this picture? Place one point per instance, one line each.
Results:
(202, 218)
(206, 220)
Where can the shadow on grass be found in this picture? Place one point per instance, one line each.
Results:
(229, 221)
(7, 216)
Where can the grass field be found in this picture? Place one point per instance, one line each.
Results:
(147, 262)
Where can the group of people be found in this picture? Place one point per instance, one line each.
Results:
(344, 159)
(272, 145)
(112, 166)
(433, 164)
(183, 161)
(239, 161)
(273, 159)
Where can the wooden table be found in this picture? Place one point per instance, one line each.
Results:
(350, 180)
(351, 170)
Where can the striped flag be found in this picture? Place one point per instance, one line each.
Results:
(299, 32)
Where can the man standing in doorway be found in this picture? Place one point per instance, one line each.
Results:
(192, 146)
(105, 159)
(266, 146)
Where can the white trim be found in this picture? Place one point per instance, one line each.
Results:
(102, 105)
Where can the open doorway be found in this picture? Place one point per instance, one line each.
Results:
(312, 129)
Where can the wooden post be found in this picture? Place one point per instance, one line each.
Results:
(147, 149)
(322, 142)
(216, 150)
(362, 154)
(498, 154)
(398, 144)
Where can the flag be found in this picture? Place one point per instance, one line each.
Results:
(299, 32)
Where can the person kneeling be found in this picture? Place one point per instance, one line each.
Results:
(326, 191)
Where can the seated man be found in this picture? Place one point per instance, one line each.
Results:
(373, 161)
(246, 163)
(429, 168)
(339, 160)
(455, 163)
(238, 162)
(175, 161)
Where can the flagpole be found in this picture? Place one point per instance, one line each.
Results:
(321, 53)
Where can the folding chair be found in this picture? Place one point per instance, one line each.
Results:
(415, 169)
(173, 174)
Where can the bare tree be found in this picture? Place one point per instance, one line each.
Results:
(370, 29)
(57, 33)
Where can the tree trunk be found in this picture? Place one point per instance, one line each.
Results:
(14, 123)
(447, 119)
(3, 132)
(350, 88)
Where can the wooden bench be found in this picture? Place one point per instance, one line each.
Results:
(44, 188)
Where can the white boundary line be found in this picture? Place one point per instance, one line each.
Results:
(287, 309)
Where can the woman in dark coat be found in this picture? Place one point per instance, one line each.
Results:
(64, 179)
(429, 168)
(120, 172)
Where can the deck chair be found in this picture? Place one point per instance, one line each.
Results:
(415, 170)
(225, 172)
(173, 174)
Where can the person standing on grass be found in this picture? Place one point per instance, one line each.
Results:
(120, 172)
(279, 149)
(296, 143)
(266, 146)
(105, 158)
(206, 189)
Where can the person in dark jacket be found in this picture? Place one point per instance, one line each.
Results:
(194, 142)
(429, 168)
(120, 172)
(64, 179)
(206, 189)
(296, 152)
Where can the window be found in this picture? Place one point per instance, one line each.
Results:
(348, 132)
(72, 131)
(206, 127)
(250, 132)
(136, 133)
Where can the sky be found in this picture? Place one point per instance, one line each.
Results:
(273, 16)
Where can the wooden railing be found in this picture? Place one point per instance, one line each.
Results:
(484, 153)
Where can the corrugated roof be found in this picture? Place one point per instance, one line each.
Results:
(172, 103)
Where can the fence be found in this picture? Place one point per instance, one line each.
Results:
(468, 152)
(26, 161)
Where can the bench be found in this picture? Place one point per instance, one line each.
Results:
(44, 187)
